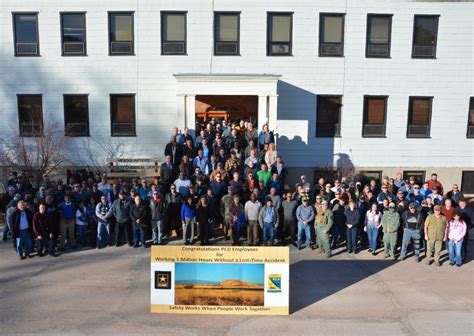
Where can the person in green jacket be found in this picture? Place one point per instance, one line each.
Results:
(323, 222)
(435, 234)
(390, 224)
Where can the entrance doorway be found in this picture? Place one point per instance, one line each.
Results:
(223, 107)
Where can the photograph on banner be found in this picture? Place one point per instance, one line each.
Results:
(219, 284)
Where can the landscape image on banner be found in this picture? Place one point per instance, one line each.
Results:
(219, 284)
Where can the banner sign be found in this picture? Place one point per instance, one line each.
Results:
(220, 280)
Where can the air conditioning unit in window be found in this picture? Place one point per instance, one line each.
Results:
(173, 48)
(378, 50)
(30, 129)
(280, 49)
(75, 129)
(123, 129)
(424, 51)
(331, 49)
(374, 130)
(226, 48)
(470, 131)
(121, 47)
(74, 48)
(418, 130)
(26, 48)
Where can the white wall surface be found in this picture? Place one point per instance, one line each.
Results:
(448, 78)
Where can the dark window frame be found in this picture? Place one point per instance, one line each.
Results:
(410, 100)
(112, 95)
(436, 36)
(463, 184)
(364, 116)
(338, 134)
(162, 33)
(270, 43)
(376, 175)
(470, 135)
(62, 34)
(407, 173)
(38, 53)
(30, 135)
(367, 37)
(224, 13)
(109, 26)
(321, 34)
(65, 119)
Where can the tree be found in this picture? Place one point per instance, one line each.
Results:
(42, 152)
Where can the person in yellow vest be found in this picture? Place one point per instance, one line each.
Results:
(435, 234)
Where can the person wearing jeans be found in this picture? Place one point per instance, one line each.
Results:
(81, 223)
(21, 228)
(138, 217)
(456, 234)
(188, 219)
(121, 212)
(268, 220)
(103, 211)
(157, 209)
(411, 220)
(43, 230)
(352, 220)
(305, 217)
(372, 226)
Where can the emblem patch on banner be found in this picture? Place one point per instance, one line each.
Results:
(162, 280)
(274, 283)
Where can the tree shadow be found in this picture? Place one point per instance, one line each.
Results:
(314, 280)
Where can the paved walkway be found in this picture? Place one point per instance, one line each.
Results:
(107, 292)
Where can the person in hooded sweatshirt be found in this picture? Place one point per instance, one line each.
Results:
(390, 224)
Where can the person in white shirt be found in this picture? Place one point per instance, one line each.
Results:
(252, 208)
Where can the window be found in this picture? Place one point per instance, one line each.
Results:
(73, 34)
(173, 33)
(76, 115)
(467, 184)
(331, 34)
(418, 175)
(122, 114)
(379, 29)
(25, 26)
(419, 117)
(121, 33)
(372, 175)
(30, 115)
(425, 35)
(279, 31)
(470, 121)
(226, 33)
(328, 116)
(375, 111)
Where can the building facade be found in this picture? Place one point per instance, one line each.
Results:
(379, 86)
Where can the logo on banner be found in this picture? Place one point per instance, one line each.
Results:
(162, 280)
(274, 283)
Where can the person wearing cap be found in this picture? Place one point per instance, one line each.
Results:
(435, 233)
(435, 196)
(121, 212)
(352, 223)
(323, 222)
(411, 220)
(384, 194)
(304, 216)
(268, 219)
(289, 205)
(390, 223)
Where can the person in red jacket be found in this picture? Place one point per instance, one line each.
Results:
(435, 183)
(43, 231)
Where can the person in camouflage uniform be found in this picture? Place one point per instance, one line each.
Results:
(226, 201)
(323, 223)
(390, 224)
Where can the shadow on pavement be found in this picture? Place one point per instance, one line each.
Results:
(314, 280)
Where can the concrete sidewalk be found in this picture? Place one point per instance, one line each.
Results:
(107, 292)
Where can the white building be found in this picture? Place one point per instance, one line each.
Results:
(409, 109)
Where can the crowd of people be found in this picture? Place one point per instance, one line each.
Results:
(228, 182)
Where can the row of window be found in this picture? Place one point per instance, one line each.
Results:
(328, 120)
(226, 34)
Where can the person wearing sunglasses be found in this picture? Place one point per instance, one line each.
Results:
(435, 235)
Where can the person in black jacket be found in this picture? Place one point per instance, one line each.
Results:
(138, 217)
(174, 150)
(158, 211)
(204, 216)
(352, 222)
(168, 172)
(43, 230)
(21, 226)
